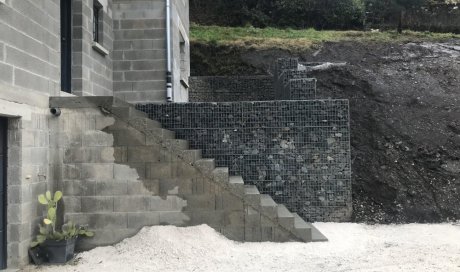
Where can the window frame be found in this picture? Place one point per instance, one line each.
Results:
(97, 10)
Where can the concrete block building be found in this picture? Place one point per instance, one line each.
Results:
(70, 72)
(55, 48)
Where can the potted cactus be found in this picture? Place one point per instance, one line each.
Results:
(52, 245)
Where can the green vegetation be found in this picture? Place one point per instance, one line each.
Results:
(321, 14)
(295, 39)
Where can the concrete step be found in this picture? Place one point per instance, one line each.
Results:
(221, 175)
(268, 206)
(302, 229)
(142, 123)
(159, 133)
(237, 184)
(285, 217)
(206, 165)
(176, 144)
(189, 155)
(252, 195)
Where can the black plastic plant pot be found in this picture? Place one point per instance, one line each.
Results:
(59, 252)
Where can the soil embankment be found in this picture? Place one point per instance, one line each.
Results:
(405, 112)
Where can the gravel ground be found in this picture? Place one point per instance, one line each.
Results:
(351, 247)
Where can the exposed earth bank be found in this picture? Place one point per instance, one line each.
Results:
(405, 112)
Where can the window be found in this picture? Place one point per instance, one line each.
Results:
(97, 10)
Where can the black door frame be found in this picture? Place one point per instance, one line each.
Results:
(66, 46)
(3, 190)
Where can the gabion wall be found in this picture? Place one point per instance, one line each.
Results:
(296, 151)
(229, 89)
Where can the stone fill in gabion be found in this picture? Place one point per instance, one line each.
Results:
(296, 151)
(302, 89)
(231, 88)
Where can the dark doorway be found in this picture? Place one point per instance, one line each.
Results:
(3, 164)
(66, 45)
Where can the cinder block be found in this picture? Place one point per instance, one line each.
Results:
(111, 188)
(183, 169)
(176, 186)
(109, 220)
(252, 234)
(124, 172)
(144, 187)
(234, 218)
(89, 155)
(252, 218)
(97, 171)
(221, 175)
(231, 202)
(267, 234)
(159, 171)
(280, 235)
(129, 137)
(170, 203)
(72, 171)
(233, 233)
(200, 202)
(132, 203)
(211, 218)
(105, 237)
(120, 154)
(97, 138)
(140, 220)
(72, 204)
(144, 154)
(174, 218)
(97, 204)
(79, 188)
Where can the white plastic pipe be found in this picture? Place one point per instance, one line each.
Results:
(169, 86)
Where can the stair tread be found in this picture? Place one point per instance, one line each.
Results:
(251, 190)
(236, 180)
(284, 212)
(299, 223)
(267, 201)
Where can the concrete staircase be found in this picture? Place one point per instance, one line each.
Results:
(129, 172)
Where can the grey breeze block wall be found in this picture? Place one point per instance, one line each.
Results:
(30, 45)
(91, 68)
(231, 88)
(296, 151)
(29, 73)
(139, 50)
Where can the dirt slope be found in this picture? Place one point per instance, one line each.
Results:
(405, 112)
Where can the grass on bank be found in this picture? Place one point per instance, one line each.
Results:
(261, 38)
